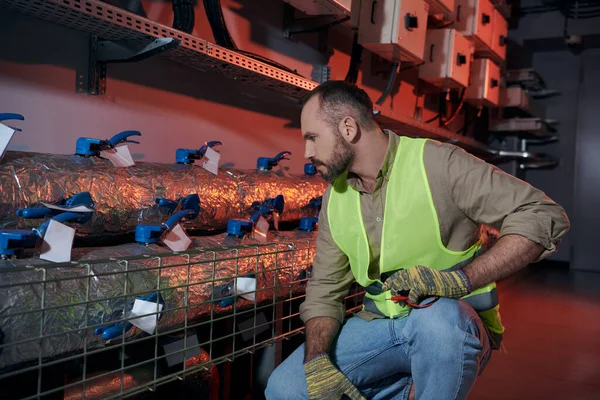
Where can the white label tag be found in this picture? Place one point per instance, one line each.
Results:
(72, 209)
(6, 135)
(147, 323)
(210, 161)
(246, 287)
(119, 156)
(58, 242)
(177, 239)
(261, 229)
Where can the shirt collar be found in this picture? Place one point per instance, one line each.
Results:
(386, 167)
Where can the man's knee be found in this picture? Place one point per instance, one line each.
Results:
(288, 381)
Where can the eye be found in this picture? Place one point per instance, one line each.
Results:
(311, 138)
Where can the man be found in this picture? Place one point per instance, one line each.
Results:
(403, 217)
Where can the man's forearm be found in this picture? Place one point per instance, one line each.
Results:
(510, 254)
(320, 333)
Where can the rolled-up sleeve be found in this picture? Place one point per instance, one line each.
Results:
(488, 195)
(331, 275)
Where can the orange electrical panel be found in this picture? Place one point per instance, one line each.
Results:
(500, 32)
(394, 29)
(474, 19)
(484, 84)
(447, 59)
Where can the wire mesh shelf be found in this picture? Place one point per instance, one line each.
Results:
(72, 330)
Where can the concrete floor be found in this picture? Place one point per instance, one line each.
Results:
(552, 340)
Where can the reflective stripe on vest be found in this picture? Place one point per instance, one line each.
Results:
(410, 235)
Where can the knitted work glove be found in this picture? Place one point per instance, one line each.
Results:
(325, 382)
(424, 282)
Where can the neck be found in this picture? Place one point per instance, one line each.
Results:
(369, 156)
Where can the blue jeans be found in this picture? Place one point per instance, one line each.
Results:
(442, 349)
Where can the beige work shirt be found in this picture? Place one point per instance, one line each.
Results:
(467, 193)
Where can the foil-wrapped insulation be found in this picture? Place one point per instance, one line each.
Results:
(59, 306)
(125, 196)
(104, 384)
(255, 186)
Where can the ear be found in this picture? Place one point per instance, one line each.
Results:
(348, 128)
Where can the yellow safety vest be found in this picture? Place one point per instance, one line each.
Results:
(411, 235)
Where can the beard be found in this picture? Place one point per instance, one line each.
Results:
(338, 163)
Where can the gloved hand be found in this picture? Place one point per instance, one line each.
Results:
(424, 282)
(324, 381)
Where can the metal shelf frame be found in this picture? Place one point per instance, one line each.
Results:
(111, 23)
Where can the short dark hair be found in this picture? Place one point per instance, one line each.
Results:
(339, 99)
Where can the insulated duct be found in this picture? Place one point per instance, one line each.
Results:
(124, 197)
(55, 309)
(103, 385)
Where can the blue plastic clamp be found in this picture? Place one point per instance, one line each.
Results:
(188, 156)
(226, 290)
(191, 201)
(268, 206)
(240, 228)
(316, 202)
(89, 147)
(115, 330)
(13, 241)
(266, 163)
(223, 294)
(79, 199)
(310, 169)
(146, 234)
(11, 116)
(162, 202)
(77, 217)
(308, 223)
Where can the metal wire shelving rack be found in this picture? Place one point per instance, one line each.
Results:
(51, 314)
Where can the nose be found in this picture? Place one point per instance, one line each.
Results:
(309, 150)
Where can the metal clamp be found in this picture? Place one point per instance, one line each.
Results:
(91, 147)
(147, 233)
(239, 228)
(310, 223)
(188, 156)
(79, 199)
(117, 329)
(310, 169)
(11, 116)
(266, 163)
(14, 241)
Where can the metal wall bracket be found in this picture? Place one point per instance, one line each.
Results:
(530, 80)
(103, 52)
